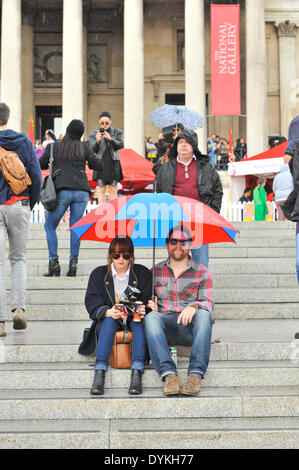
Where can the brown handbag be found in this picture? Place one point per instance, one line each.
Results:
(121, 353)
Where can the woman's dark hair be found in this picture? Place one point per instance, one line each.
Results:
(70, 148)
(122, 244)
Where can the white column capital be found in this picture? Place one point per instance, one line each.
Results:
(286, 29)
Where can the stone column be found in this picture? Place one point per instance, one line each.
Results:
(256, 77)
(27, 71)
(72, 91)
(195, 83)
(11, 77)
(133, 76)
(287, 60)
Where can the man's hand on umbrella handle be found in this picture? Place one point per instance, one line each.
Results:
(186, 315)
(153, 304)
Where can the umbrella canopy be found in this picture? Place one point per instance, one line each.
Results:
(169, 115)
(148, 217)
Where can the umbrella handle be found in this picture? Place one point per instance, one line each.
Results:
(154, 262)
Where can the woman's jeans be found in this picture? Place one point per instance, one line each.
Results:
(297, 255)
(77, 201)
(162, 330)
(106, 331)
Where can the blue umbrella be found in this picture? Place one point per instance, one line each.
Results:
(169, 115)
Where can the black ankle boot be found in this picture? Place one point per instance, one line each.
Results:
(54, 268)
(72, 267)
(136, 382)
(97, 387)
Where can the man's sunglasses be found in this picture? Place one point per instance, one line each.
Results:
(125, 256)
(174, 241)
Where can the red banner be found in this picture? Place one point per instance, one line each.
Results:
(225, 60)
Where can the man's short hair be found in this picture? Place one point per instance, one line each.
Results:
(180, 228)
(246, 190)
(4, 114)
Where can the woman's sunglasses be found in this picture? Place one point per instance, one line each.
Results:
(125, 256)
(174, 241)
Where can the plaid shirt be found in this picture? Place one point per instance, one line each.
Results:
(193, 287)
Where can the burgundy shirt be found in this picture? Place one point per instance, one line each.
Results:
(186, 186)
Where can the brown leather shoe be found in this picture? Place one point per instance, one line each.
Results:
(192, 385)
(19, 321)
(172, 385)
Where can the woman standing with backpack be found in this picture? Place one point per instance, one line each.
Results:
(72, 187)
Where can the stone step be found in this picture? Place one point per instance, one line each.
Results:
(221, 312)
(240, 340)
(267, 242)
(235, 295)
(245, 402)
(42, 376)
(221, 266)
(219, 281)
(175, 433)
(147, 253)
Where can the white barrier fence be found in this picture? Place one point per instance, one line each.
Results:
(233, 212)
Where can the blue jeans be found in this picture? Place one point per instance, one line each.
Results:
(161, 330)
(297, 255)
(201, 255)
(77, 200)
(106, 332)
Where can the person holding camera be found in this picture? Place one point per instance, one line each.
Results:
(106, 142)
(105, 288)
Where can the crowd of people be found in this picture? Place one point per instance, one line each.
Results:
(177, 307)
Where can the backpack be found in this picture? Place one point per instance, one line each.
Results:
(14, 171)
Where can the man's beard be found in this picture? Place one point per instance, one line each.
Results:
(179, 255)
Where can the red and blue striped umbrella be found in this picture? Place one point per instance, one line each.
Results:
(148, 217)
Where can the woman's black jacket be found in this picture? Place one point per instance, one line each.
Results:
(100, 297)
(70, 174)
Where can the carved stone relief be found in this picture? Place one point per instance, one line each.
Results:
(180, 50)
(287, 29)
(48, 64)
(97, 66)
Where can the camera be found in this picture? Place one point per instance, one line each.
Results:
(102, 130)
(131, 296)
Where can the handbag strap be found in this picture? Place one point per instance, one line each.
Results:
(51, 159)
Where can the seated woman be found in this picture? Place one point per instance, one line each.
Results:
(105, 286)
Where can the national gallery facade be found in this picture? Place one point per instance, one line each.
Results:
(65, 59)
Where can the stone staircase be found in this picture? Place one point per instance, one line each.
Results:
(250, 396)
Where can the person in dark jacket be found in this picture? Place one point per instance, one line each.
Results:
(72, 187)
(189, 173)
(105, 142)
(14, 222)
(290, 207)
(105, 286)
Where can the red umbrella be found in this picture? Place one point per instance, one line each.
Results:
(147, 218)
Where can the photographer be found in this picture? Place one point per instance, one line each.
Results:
(105, 142)
(105, 287)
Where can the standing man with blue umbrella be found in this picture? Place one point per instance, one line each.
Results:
(189, 173)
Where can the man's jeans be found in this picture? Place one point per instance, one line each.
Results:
(14, 223)
(162, 330)
(77, 201)
(201, 255)
(106, 331)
